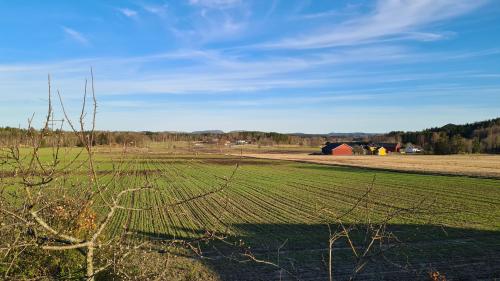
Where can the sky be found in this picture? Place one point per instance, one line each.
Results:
(312, 66)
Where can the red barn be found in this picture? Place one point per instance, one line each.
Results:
(337, 149)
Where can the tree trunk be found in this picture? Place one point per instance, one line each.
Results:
(330, 260)
(90, 263)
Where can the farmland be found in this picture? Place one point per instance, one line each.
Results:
(278, 207)
(480, 165)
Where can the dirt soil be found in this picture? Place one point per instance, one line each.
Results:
(479, 165)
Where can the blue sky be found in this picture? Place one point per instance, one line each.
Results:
(288, 66)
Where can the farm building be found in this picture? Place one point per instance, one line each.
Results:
(359, 149)
(371, 149)
(390, 147)
(381, 151)
(337, 149)
(410, 148)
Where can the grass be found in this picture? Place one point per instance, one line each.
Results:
(271, 202)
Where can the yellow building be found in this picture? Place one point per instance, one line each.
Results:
(373, 150)
(381, 151)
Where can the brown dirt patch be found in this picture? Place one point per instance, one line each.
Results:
(469, 165)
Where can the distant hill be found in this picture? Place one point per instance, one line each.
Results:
(208, 132)
(352, 135)
(468, 130)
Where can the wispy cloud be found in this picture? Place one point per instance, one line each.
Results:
(290, 65)
(159, 10)
(319, 15)
(348, 10)
(215, 3)
(213, 21)
(389, 18)
(128, 12)
(217, 72)
(75, 35)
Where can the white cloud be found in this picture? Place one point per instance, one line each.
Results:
(213, 72)
(348, 10)
(128, 12)
(214, 25)
(240, 83)
(214, 3)
(197, 71)
(159, 10)
(75, 35)
(390, 18)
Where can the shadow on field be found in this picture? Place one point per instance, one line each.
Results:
(300, 251)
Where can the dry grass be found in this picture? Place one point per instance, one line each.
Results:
(471, 165)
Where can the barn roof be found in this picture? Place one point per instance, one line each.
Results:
(329, 146)
(389, 145)
(333, 145)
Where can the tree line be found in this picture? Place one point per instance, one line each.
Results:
(10, 136)
(477, 137)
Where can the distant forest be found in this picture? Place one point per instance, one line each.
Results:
(478, 137)
(9, 135)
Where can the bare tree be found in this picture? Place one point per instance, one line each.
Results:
(368, 239)
(45, 207)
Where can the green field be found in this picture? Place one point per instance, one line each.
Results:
(284, 205)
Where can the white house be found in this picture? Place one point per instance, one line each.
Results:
(410, 148)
